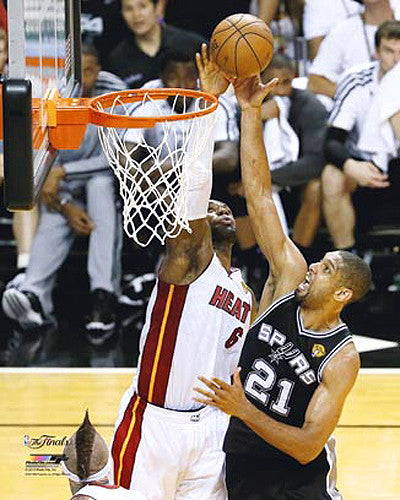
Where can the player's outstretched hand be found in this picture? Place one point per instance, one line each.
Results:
(212, 80)
(228, 398)
(251, 92)
(366, 174)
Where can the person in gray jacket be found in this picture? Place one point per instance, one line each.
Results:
(78, 198)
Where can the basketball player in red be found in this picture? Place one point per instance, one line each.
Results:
(298, 361)
(166, 445)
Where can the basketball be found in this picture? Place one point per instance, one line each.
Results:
(242, 45)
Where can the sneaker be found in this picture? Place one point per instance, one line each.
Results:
(395, 286)
(137, 290)
(17, 280)
(101, 322)
(23, 307)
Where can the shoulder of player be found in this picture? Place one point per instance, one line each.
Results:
(343, 367)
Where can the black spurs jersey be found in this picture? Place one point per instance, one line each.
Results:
(282, 364)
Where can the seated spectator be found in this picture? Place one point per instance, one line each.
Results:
(321, 16)
(87, 466)
(349, 43)
(78, 198)
(349, 166)
(139, 57)
(383, 118)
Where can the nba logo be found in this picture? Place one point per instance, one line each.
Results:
(26, 440)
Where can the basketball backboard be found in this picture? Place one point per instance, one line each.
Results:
(44, 53)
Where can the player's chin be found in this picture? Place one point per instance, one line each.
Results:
(300, 294)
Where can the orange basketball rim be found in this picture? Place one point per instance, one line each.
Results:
(66, 118)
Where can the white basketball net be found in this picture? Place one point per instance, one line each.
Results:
(151, 165)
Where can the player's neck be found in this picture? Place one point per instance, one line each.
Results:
(321, 319)
(224, 254)
(378, 13)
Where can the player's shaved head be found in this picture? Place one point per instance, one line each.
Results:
(354, 274)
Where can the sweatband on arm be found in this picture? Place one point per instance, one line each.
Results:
(199, 170)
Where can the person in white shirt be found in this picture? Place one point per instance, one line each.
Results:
(349, 43)
(349, 166)
(321, 16)
(87, 466)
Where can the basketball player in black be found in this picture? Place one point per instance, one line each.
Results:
(298, 362)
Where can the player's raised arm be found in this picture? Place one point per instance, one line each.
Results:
(287, 265)
(188, 255)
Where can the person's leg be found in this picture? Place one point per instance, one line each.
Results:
(338, 207)
(50, 247)
(309, 216)
(30, 301)
(104, 265)
(250, 478)
(104, 257)
(203, 476)
(24, 228)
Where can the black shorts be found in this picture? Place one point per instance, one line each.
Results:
(251, 479)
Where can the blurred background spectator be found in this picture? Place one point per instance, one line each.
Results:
(321, 16)
(351, 42)
(143, 52)
(349, 166)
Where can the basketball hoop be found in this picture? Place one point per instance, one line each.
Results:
(152, 167)
(152, 174)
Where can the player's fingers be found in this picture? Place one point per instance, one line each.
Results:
(220, 383)
(236, 377)
(199, 62)
(379, 183)
(211, 385)
(268, 87)
(208, 394)
(204, 54)
(207, 402)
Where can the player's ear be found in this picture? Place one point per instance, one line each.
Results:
(343, 295)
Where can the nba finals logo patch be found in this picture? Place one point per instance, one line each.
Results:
(318, 351)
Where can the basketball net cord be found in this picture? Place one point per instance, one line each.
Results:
(152, 165)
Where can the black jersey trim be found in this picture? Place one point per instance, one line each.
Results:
(314, 335)
(274, 305)
(334, 351)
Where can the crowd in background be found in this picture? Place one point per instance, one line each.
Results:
(332, 159)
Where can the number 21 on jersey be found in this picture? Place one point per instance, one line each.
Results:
(261, 380)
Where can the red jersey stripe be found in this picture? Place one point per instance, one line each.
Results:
(120, 435)
(128, 455)
(150, 347)
(168, 345)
